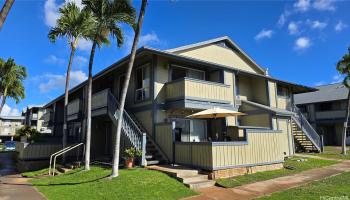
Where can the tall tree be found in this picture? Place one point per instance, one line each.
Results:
(115, 168)
(343, 67)
(11, 78)
(108, 17)
(5, 11)
(72, 25)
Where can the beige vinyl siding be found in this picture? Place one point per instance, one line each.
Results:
(161, 77)
(244, 84)
(198, 89)
(272, 93)
(145, 117)
(263, 147)
(259, 120)
(283, 103)
(253, 89)
(220, 55)
(284, 126)
(164, 138)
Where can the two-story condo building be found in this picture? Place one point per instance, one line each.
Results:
(325, 109)
(167, 86)
(9, 125)
(34, 118)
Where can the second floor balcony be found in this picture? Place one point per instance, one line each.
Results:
(191, 93)
(74, 110)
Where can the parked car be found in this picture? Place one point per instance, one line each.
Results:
(348, 140)
(10, 145)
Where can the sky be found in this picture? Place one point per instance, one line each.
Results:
(298, 41)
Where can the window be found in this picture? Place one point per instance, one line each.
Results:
(142, 83)
(282, 92)
(182, 72)
(324, 106)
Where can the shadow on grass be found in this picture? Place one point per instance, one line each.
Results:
(71, 183)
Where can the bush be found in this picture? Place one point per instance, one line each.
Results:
(31, 133)
(132, 153)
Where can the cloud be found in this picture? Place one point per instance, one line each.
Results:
(324, 5)
(148, 39)
(51, 11)
(317, 24)
(302, 5)
(80, 61)
(54, 60)
(8, 111)
(57, 81)
(340, 26)
(302, 43)
(293, 28)
(283, 18)
(337, 78)
(263, 34)
(84, 45)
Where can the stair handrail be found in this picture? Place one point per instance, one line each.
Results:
(306, 127)
(63, 152)
(138, 138)
(57, 152)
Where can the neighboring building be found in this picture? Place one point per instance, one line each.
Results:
(166, 87)
(325, 109)
(34, 117)
(9, 125)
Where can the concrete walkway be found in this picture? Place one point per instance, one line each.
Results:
(263, 188)
(12, 185)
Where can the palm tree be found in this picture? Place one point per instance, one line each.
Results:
(72, 25)
(108, 15)
(5, 11)
(343, 67)
(115, 168)
(11, 78)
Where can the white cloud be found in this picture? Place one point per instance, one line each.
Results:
(302, 43)
(57, 81)
(8, 111)
(51, 11)
(52, 59)
(283, 18)
(302, 5)
(80, 61)
(149, 39)
(337, 78)
(340, 26)
(318, 25)
(323, 5)
(264, 34)
(293, 28)
(84, 45)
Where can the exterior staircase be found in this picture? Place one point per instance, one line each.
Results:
(136, 134)
(190, 177)
(305, 137)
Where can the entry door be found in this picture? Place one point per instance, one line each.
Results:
(198, 130)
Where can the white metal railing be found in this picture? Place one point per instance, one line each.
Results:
(61, 152)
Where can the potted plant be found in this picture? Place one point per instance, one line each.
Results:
(130, 154)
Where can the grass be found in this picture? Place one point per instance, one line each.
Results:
(93, 184)
(37, 173)
(336, 186)
(261, 176)
(332, 152)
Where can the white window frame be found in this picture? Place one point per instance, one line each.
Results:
(186, 68)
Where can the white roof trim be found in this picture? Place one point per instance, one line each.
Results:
(224, 38)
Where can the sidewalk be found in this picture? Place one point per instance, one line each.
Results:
(263, 188)
(12, 185)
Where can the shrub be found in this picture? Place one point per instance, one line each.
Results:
(31, 133)
(132, 153)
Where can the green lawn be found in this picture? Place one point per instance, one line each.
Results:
(336, 186)
(37, 173)
(131, 184)
(332, 152)
(261, 176)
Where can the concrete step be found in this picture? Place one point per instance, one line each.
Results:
(63, 169)
(196, 178)
(176, 171)
(152, 162)
(200, 184)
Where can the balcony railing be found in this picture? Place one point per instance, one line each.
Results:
(332, 114)
(47, 117)
(188, 88)
(73, 109)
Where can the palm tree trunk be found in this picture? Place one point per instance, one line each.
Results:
(343, 150)
(115, 168)
(65, 128)
(3, 100)
(88, 121)
(5, 10)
